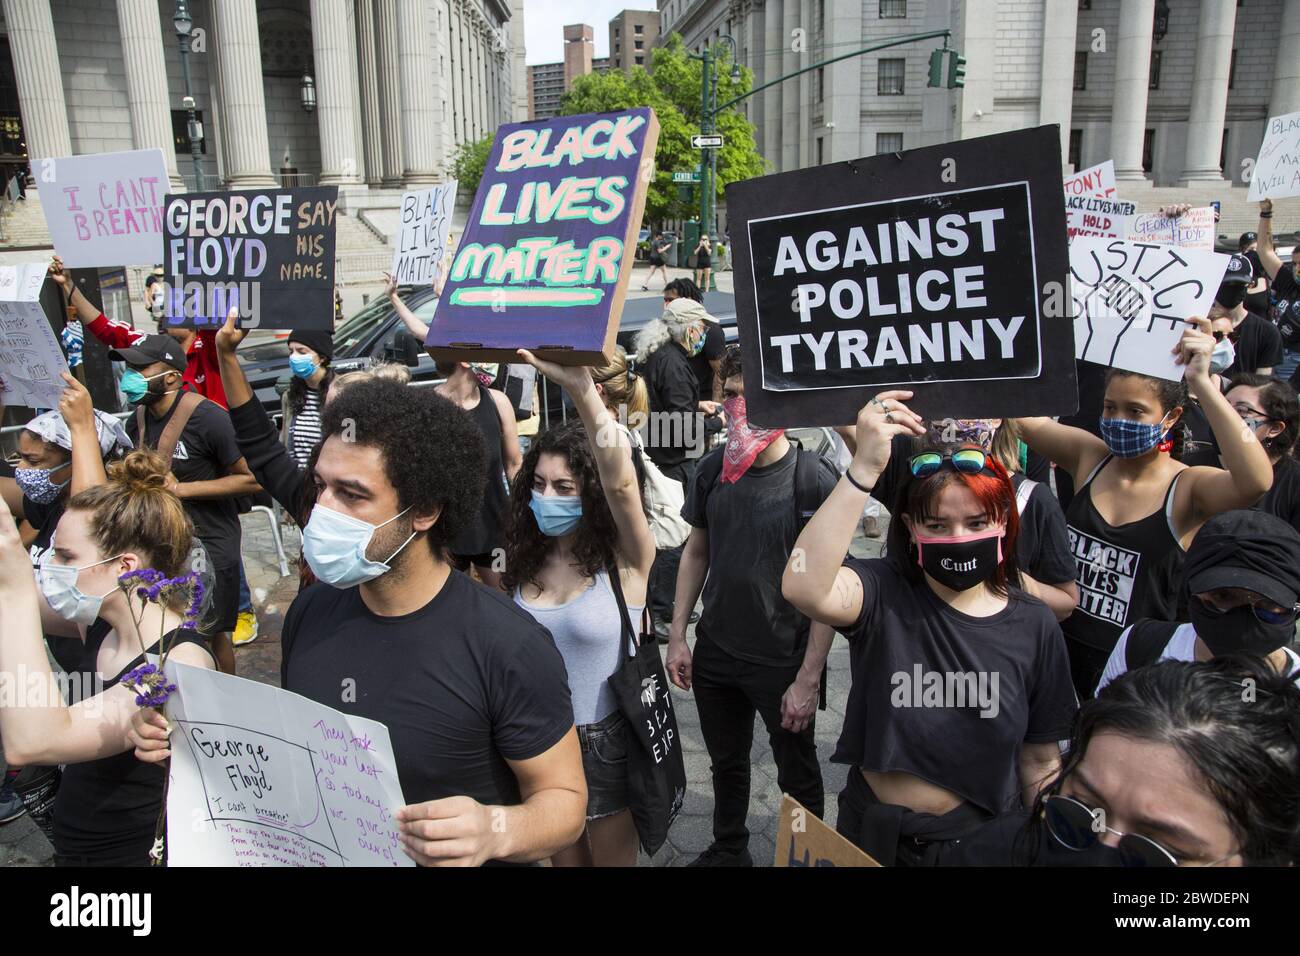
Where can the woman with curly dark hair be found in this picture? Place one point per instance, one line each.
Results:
(576, 541)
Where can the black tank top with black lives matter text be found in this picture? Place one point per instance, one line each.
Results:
(486, 531)
(1125, 573)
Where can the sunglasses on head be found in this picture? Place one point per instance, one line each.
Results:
(970, 461)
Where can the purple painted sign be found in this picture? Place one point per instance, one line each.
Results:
(547, 253)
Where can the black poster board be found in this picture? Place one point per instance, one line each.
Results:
(942, 270)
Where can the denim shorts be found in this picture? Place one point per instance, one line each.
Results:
(604, 764)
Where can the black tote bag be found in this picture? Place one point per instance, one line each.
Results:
(656, 774)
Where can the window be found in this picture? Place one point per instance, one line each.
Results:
(891, 9)
(617, 48)
(1223, 150)
(819, 87)
(889, 142)
(639, 60)
(1075, 156)
(821, 151)
(889, 77)
(1081, 70)
(639, 44)
(638, 29)
(616, 32)
(1085, 4)
(1148, 150)
(1232, 69)
(1155, 70)
(181, 131)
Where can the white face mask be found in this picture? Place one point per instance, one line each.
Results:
(335, 547)
(1224, 354)
(59, 585)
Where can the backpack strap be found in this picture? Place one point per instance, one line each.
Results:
(185, 406)
(805, 487)
(1022, 494)
(1147, 640)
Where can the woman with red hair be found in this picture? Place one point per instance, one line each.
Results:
(960, 681)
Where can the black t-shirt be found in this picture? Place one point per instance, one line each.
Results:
(673, 387)
(1283, 499)
(715, 346)
(1259, 345)
(44, 518)
(106, 809)
(205, 451)
(752, 530)
(1002, 681)
(464, 684)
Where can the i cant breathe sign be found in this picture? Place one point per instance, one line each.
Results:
(927, 270)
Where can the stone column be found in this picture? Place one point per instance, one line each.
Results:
(843, 83)
(368, 91)
(518, 69)
(1056, 84)
(421, 94)
(457, 73)
(1286, 69)
(1209, 92)
(791, 115)
(354, 84)
(1132, 79)
(330, 48)
(146, 81)
(770, 69)
(243, 103)
(40, 82)
(390, 90)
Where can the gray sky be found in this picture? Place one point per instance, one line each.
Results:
(544, 22)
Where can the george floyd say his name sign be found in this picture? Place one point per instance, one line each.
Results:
(104, 209)
(269, 252)
(547, 252)
(925, 271)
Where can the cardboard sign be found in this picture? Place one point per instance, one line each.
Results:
(876, 274)
(271, 252)
(1096, 216)
(422, 233)
(1276, 174)
(547, 253)
(30, 356)
(1194, 229)
(264, 777)
(1096, 180)
(1132, 300)
(105, 209)
(804, 840)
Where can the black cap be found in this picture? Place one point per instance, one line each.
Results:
(1246, 549)
(318, 340)
(1246, 239)
(150, 349)
(1236, 279)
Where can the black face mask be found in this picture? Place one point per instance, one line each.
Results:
(1227, 632)
(961, 563)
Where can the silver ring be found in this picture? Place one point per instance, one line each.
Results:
(889, 418)
(880, 405)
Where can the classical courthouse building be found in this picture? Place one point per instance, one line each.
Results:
(369, 95)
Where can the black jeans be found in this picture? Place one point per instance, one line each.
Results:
(728, 691)
(662, 586)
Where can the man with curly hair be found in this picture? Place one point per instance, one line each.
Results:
(471, 688)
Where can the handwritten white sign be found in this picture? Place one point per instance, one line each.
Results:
(105, 209)
(263, 777)
(30, 356)
(1194, 229)
(1276, 174)
(1132, 300)
(1096, 180)
(422, 233)
(1097, 216)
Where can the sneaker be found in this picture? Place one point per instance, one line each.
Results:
(11, 805)
(245, 629)
(717, 856)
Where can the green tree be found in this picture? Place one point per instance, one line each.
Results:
(672, 89)
(468, 163)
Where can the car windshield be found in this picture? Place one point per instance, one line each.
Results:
(351, 331)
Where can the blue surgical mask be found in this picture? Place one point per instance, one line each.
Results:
(135, 386)
(37, 486)
(556, 514)
(1224, 354)
(335, 547)
(59, 585)
(302, 365)
(1129, 439)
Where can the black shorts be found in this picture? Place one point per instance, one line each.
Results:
(703, 262)
(222, 613)
(656, 261)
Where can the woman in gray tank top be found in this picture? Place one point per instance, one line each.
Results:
(576, 516)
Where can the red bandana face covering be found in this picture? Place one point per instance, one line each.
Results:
(744, 443)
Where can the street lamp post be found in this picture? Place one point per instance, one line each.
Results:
(184, 23)
(708, 115)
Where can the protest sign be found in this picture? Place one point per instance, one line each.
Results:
(422, 230)
(857, 277)
(264, 777)
(802, 839)
(1194, 229)
(271, 252)
(1132, 300)
(30, 356)
(104, 209)
(1096, 180)
(1097, 216)
(1276, 174)
(547, 252)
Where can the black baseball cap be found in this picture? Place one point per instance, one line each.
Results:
(1246, 549)
(1246, 239)
(150, 349)
(1236, 279)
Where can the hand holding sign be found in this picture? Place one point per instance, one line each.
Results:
(454, 831)
(1194, 349)
(75, 405)
(879, 421)
(150, 735)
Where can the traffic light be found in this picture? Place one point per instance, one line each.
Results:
(956, 71)
(936, 68)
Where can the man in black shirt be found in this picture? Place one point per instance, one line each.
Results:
(753, 651)
(471, 688)
(208, 471)
(1258, 342)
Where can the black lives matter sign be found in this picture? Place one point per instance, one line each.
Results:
(930, 271)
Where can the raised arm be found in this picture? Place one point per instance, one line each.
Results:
(1075, 450)
(1268, 257)
(233, 379)
(87, 459)
(417, 328)
(115, 335)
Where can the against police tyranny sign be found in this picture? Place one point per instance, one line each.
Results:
(927, 272)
